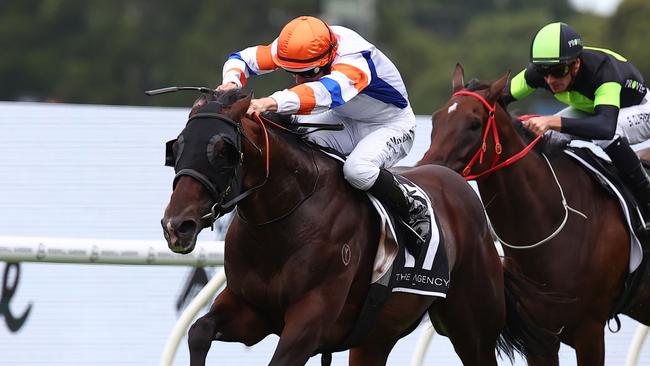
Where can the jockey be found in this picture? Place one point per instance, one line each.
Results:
(607, 98)
(341, 78)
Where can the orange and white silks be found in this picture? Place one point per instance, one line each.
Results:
(358, 67)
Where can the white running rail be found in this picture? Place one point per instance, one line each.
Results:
(423, 344)
(637, 345)
(183, 324)
(106, 251)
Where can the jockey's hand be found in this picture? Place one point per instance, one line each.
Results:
(227, 86)
(262, 105)
(539, 125)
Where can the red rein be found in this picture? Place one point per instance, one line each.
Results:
(492, 126)
(257, 118)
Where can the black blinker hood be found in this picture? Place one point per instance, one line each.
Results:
(209, 150)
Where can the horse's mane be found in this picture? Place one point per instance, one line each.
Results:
(291, 122)
(215, 102)
(476, 84)
(228, 97)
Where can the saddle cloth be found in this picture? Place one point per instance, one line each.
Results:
(426, 275)
(604, 173)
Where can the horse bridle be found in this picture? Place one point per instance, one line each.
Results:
(202, 178)
(491, 125)
(218, 208)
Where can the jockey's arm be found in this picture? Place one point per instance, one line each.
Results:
(249, 61)
(349, 76)
(601, 125)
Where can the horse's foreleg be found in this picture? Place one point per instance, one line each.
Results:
(371, 353)
(305, 324)
(399, 316)
(589, 343)
(550, 360)
(228, 320)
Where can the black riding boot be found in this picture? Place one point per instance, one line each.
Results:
(628, 163)
(411, 210)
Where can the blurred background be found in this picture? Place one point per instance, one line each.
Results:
(108, 52)
(82, 147)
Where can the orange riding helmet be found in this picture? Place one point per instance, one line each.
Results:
(305, 43)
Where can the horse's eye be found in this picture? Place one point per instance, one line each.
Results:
(475, 125)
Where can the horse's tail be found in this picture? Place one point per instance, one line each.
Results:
(520, 333)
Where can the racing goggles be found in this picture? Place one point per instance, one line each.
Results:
(307, 74)
(556, 71)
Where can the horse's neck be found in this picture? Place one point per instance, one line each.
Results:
(292, 174)
(525, 189)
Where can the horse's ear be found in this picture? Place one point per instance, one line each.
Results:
(497, 87)
(458, 82)
(237, 110)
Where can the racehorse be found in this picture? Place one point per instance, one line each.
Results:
(555, 223)
(299, 252)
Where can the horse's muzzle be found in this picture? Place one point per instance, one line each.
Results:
(180, 234)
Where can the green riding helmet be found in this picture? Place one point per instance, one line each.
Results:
(555, 44)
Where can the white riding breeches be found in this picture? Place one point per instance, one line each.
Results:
(633, 122)
(369, 145)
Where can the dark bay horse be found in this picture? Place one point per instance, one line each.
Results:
(299, 253)
(583, 258)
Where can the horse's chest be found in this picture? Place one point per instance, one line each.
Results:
(275, 278)
(264, 291)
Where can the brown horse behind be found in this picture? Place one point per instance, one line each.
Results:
(582, 258)
(299, 253)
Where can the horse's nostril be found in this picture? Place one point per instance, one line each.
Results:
(187, 227)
